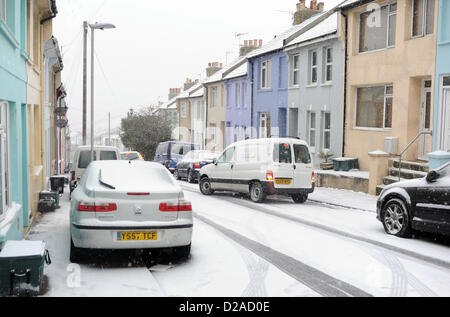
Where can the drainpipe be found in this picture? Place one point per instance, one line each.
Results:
(54, 12)
(251, 100)
(345, 83)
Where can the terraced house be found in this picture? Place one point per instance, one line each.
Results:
(390, 49)
(25, 26)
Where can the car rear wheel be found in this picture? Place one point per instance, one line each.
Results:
(300, 198)
(76, 254)
(191, 178)
(205, 186)
(396, 218)
(257, 193)
(182, 252)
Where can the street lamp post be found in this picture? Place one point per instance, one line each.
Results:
(96, 26)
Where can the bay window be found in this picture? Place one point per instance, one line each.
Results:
(4, 159)
(374, 107)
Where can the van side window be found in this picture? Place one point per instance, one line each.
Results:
(177, 149)
(282, 153)
(85, 159)
(301, 154)
(227, 156)
(108, 156)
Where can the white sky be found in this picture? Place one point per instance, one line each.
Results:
(156, 46)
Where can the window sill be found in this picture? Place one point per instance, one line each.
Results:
(265, 90)
(312, 86)
(376, 51)
(327, 84)
(372, 129)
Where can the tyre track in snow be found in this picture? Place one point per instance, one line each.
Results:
(260, 208)
(316, 280)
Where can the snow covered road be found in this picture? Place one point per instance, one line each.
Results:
(274, 249)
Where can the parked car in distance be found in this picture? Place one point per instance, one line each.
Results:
(170, 153)
(419, 204)
(82, 159)
(131, 156)
(129, 205)
(189, 167)
(262, 167)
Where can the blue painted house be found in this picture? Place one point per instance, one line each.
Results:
(14, 192)
(441, 137)
(268, 73)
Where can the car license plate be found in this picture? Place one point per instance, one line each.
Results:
(137, 236)
(283, 181)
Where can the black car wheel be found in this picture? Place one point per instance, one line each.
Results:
(76, 254)
(257, 193)
(205, 186)
(300, 198)
(191, 178)
(396, 218)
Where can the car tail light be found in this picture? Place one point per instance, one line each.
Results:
(138, 194)
(73, 175)
(313, 178)
(269, 176)
(180, 205)
(197, 165)
(97, 207)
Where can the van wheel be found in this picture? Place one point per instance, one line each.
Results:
(300, 198)
(205, 186)
(257, 193)
(181, 253)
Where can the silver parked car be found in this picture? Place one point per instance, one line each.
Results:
(129, 205)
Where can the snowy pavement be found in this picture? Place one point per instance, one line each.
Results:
(274, 249)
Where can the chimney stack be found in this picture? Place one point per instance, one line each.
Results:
(303, 13)
(213, 68)
(249, 45)
(173, 92)
(188, 84)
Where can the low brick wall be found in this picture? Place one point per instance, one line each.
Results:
(339, 181)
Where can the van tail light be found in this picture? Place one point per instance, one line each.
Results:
(180, 205)
(197, 165)
(269, 176)
(73, 175)
(313, 178)
(138, 194)
(97, 207)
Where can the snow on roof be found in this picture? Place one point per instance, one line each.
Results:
(350, 3)
(187, 93)
(168, 104)
(219, 75)
(327, 26)
(198, 93)
(278, 42)
(238, 72)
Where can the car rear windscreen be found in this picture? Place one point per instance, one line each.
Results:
(108, 156)
(130, 156)
(301, 154)
(85, 159)
(282, 153)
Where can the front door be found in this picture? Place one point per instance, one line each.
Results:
(264, 125)
(425, 120)
(446, 118)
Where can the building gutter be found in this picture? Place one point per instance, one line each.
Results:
(251, 98)
(54, 11)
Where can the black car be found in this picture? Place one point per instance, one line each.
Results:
(189, 167)
(420, 204)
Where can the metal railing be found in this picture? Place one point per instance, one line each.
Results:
(407, 148)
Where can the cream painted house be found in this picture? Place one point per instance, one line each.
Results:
(391, 48)
(39, 30)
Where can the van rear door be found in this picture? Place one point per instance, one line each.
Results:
(303, 167)
(283, 168)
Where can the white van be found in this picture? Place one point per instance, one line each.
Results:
(82, 158)
(262, 167)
